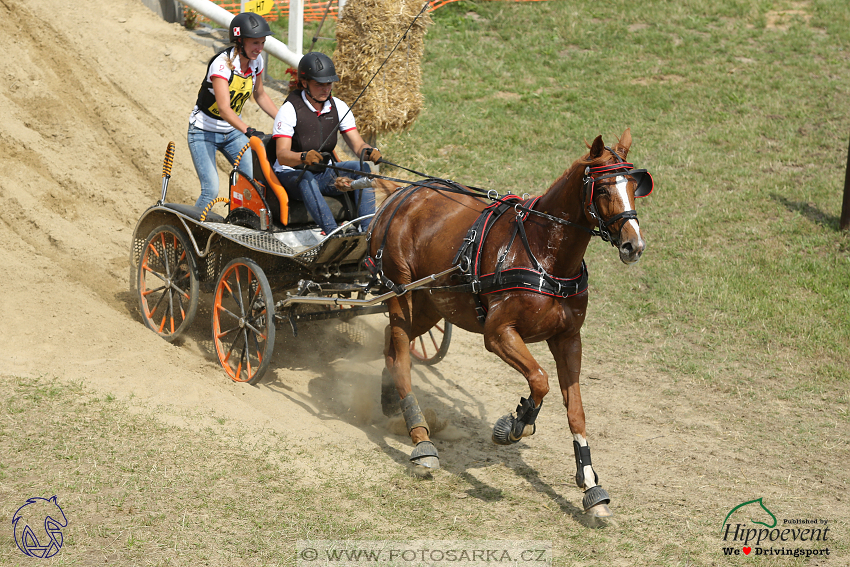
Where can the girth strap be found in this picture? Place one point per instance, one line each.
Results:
(523, 279)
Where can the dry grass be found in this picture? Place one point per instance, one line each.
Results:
(366, 32)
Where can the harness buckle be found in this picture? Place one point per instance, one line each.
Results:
(379, 254)
(476, 286)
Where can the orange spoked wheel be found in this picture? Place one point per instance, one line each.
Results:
(432, 347)
(243, 321)
(168, 282)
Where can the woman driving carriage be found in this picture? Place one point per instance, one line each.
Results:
(215, 123)
(306, 126)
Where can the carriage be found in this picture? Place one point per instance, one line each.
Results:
(266, 264)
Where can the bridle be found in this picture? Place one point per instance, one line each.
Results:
(592, 175)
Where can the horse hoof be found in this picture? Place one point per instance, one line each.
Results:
(425, 456)
(596, 501)
(502, 430)
(600, 511)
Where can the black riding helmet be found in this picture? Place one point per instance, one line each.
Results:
(248, 24)
(317, 66)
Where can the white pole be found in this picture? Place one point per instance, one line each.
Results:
(296, 26)
(275, 47)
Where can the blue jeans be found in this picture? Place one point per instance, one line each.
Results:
(203, 145)
(314, 185)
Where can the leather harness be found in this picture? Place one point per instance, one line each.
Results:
(468, 257)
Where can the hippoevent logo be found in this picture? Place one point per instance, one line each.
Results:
(38, 527)
(763, 534)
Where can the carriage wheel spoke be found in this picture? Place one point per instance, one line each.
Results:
(148, 270)
(433, 340)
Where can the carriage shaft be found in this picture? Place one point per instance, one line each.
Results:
(344, 301)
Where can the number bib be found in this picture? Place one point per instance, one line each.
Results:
(240, 91)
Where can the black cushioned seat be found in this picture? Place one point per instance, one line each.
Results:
(298, 214)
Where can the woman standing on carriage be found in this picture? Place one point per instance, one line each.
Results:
(216, 123)
(304, 128)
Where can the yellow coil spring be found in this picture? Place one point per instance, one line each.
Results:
(239, 156)
(210, 206)
(169, 160)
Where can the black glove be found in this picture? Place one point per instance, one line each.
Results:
(253, 132)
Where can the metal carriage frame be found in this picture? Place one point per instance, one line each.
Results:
(261, 279)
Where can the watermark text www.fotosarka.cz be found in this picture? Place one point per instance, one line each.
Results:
(454, 553)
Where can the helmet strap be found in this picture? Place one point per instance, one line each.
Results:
(306, 88)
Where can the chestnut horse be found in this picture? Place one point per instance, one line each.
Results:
(520, 277)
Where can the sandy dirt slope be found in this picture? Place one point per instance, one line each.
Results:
(95, 98)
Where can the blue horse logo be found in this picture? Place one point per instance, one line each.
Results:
(38, 527)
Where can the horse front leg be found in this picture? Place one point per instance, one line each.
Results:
(397, 358)
(505, 341)
(567, 353)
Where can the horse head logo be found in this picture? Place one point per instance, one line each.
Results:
(38, 527)
(747, 503)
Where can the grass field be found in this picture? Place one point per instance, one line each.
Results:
(740, 307)
(739, 109)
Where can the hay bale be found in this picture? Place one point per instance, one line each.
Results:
(366, 32)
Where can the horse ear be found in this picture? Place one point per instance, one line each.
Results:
(625, 143)
(597, 147)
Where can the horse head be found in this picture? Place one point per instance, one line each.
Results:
(610, 186)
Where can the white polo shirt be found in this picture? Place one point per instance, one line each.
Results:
(285, 121)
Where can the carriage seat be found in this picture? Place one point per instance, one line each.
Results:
(283, 210)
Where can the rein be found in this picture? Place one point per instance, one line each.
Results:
(602, 229)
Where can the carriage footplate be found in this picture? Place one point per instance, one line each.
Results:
(509, 429)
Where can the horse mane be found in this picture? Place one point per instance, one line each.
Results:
(581, 162)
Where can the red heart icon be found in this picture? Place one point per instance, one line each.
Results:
(747, 550)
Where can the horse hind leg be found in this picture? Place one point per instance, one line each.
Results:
(397, 355)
